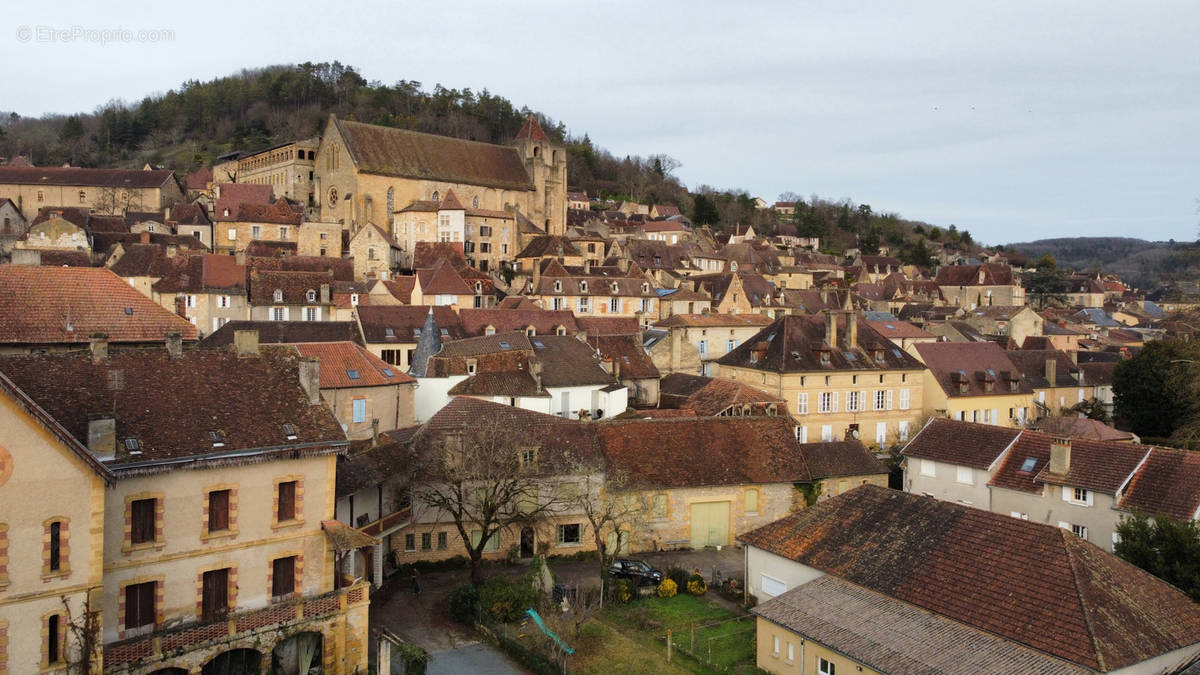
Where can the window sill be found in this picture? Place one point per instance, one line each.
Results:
(53, 576)
(222, 534)
(568, 544)
(144, 546)
(287, 523)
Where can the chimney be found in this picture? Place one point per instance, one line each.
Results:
(175, 344)
(824, 296)
(1052, 372)
(676, 338)
(537, 275)
(587, 265)
(310, 379)
(102, 436)
(535, 369)
(616, 368)
(623, 265)
(1060, 455)
(145, 237)
(831, 328)
(324, 294)
(172, 250)
(181, 306)
(240, 257)
(852, 328)
(245, 342)
(98, 344)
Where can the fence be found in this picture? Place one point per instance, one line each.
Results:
(721, 645)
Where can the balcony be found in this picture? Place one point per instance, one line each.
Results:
(237, 627)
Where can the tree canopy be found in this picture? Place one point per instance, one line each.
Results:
(1155, 392)
(1167, 548)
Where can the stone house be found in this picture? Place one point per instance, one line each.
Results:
(366, 395)
(695, 341)
(290, 296)
(111, 191)
(975, 382)
(288, 168)
(392, 332)
(319, 239)
(840, 377)
(375, 253)
(1058, 383)
(983, 285)
(278, 223)
(1005, 321)
(209, 289)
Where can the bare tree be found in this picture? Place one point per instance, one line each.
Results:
(486, 478)
(611, 509)
(83, 629)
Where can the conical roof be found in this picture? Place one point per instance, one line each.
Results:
(428, 344)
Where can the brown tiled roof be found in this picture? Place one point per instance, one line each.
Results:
(715, 320)
(710, 396)
(794, 342)
(520, 302)
(507, 383)
(451, 203)
(401, 288)
(145, 260)
(1098, 372)
(56, 305)
(898, 329)
(608, 325)
(960, 443)
(405, 321)
(233, 195)
(1169, 482)
(1032, 364)
(30, 406)
(475, 321)
(628, 355)
(204, 273)
(994, 274)
(1034, 584)
(410, 154)
(280, 212)
(76, 215)
(338, 269)
(68, 176)
(892, 636)
(548, 245)
(280, 332)
(295, 287)
(247, 400)
(1080, 427)
(1103, 466)
(347, 365)
(969, 360)
(427, 253)
(443, 279)
(190, 214)
(52, 258)
(703, 451)
(532, 130)
(841, 458)
(199, 178)
(567, 362)
(367, 464)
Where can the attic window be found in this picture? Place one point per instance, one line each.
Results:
(354, 299)
(128, 311)
(505, 345)
(352, 374)
(560, 330)
(557, 286)
(645, 287)
(879, 356)
(289, 431)
(583, 287)
(388, 332)
(824, 357)
(539, 344)
(217, 438)
(132, 446)
(445, 333)
(278, 295)
(311, 295)
(1028, 464)
(478, 287)
(614, 288)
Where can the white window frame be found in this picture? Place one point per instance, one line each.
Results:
(880, 399)
(770, 587)
(1080, 531)
(1078, 496)
(928, 468)
(802, 403)
(825, 667)
(903, 430)
(359, 410)
(826, 433)
(964, 475)
(881, 433)
(825, 402)
(853, 401)
(231, 234)
(904, 399)
(222, 301)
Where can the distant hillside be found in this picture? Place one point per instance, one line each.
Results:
(1143, 264)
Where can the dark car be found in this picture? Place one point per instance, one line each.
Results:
(635, 570)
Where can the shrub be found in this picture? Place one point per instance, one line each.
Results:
(679, 576)
(667, 589)
(416, 659)
(623, 591)
(505, 600)
(696, 585)
(464, 603)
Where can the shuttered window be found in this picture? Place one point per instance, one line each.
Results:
(287, 501)
(139, 605)
(142, 520)
(283, 577)
(218, 510)
(215, 590)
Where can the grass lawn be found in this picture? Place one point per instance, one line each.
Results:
(629, 638)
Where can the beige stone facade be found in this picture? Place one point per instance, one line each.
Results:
(319, 239)
(781, 651)
(696, 517)
(106, 199)
(288, 168)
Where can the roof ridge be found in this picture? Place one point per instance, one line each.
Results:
(1087, 619)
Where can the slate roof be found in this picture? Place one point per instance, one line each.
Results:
(405, 321)
(896, 637)
(347, 365)
(960, 443)
(1034, 584)
(974, 363)
(793, 343)
(56, 305)
(69, 176)
(714, 319)
(475, 321)
(247, 400)
(994, 274)
(704, 451)
(279, 332)
(410, 154)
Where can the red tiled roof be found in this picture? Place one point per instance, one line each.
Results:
(203, 273)
(199, 178)
(233, 195)
(404, 320)
(401, 288)
(627, 354)
(1035, 584)
(1080, 427)
(409, 154)
(608, 325)
(56, 305)
(960, 443)
(715, 319)
(280, 212)
(451, 203)
(1102, 466)
(531, 129)
(346, 365)
(294, 285)
(442, 279)
(1169, 482)
(711, 396)
(794, 343)
(427, 253)
(994, 274)
(171, 404)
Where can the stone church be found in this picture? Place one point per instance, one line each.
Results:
(369, 174)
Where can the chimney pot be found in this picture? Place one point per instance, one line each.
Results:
(831, 328)
(852, 326)
(245, 342)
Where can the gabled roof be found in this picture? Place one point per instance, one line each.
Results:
(280, 213)
(1080, 427)
(567, 362)
(898, 329)
(234, 195)
(427, 253)
(70, 176)
(246, 400)
(837, 459)
(294, 286)
(960, 443)
(475, 321)
(794, 343)
(30, 406)
(347, 365)
(708, 396)
(1095, 465)
(279, 332)
(994, 274)
(405, 322)
(1034, 584)
(145, 260)
(1169, 482)
(1032, 364)
(548, 245)
(390, 151)
(204, 273)
(626, 352)
(57, 305)
(338, 269)
(442, 279)
(451, 203)
(974, 364)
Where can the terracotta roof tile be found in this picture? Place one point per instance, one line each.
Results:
(204, 273)
(279, 332)
(975, 364)
(545, 322)
(715, 319)
(608, 325)
(795, 343)
(708, 396)
(628, 355)
(427, 253)
(405, 322)
(347, 365)
(443, 279)
(55, 305)
(1034, 584)
(68, 176)
(532, 130)
(1169, 482)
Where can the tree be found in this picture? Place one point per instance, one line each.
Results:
(84, 653)
(704, 212)
(1046, 284)
(611, 512)
(1155, 391)
(487, 478)
(1163, 546)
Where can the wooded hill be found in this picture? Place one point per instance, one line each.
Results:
(1143, 264)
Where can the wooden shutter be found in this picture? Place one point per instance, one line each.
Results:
(218, 510)
(287, 501)
(283, 579)
(142, 517)
(215, 602)
(139, 604)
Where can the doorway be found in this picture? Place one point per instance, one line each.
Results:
(527, 542)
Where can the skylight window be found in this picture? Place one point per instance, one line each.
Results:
(352, 374)
(389, 332)
(539, 344)
(505, 345)
(1028, 464)
(129, 311)
(133, 446)
(849, 355)
(387, 372)
(289, 431)
(217, 438)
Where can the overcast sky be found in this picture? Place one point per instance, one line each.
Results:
(1014, 120)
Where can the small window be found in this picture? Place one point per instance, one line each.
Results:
(660, 506)
(217, 438)
(283, 577)
(214, 602)
(426, 541)
(825, 667)
(218, 510)
(82, 197)
(278, 296)
(289, 431)
(965, 475)
(1028, 464)
(928, 468)
(54, 638)
(140, 607)
(360, 410)
(132, 446)
(568, 535)
(55, 546)
(287, 501)
(352, 374)
(142, 520)
(410, 542)
(1079, 531)
(311, 295)
(751, 501)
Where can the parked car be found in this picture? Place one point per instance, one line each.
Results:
(636, 571)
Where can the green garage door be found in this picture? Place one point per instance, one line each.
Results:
(710, 524)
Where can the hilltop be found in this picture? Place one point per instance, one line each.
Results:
(1143, 264)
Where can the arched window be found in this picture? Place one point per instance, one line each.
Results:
(554, 156)
(478, 287)
(557, 286)
(645, 287)
(537, 151)
(437, 197)
(614, 288)
(279, 295)
(583, 287)
(311, 295)
(530, 331)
